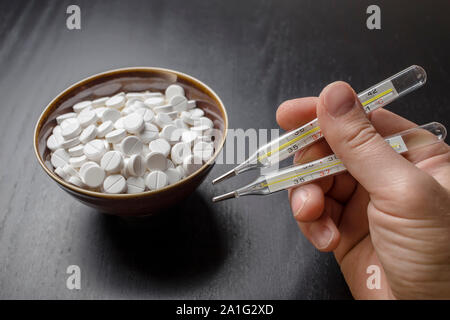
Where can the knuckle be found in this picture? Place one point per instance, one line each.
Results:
(361, 136)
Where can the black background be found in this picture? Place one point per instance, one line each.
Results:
(254, 54)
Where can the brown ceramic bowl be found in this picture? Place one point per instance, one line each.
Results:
(131, 79)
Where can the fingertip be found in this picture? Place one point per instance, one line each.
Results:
(296, 112)
(307, 202)
(323, 234)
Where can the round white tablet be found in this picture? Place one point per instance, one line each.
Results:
(136, 165)
(163, 109)
(54, 142)
(115, 136)
(146, 114)
(100, 102)
(70, 143)
(149, 133)
(163, 119)
(135, 185)
(131, 145)
(70, 128)
(99, 111)
(93, 176)
(156, 180)
(80, 106)
(94, 150)
(187, 117)
(180, 151)
(114, 184)
(167, 131)
(87, 118)
(112, 161)
(70, 170)
(59, 158)
(88, 134)
(189, 137)
(180, 124)
(76, 181)
(203, 121)
(104, 128)
(76, 151)
(173, 175)
(87, 165)
(191, 104)
(65, 116)
(60, 172)
(174, 90)
(133, 123)
(77, 161)
(154, 101)
(179, 103)
(191, 164)
(197, 113)
(111, 115)
(161, 146)
(116, 102)
(181, 171)
(156, 161)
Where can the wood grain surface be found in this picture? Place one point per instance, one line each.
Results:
(254, 54)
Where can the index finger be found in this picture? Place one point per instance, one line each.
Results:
(294, 113)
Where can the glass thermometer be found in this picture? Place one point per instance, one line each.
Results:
(371, 99)
(305, 173)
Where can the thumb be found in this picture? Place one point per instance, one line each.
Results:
(350, 134)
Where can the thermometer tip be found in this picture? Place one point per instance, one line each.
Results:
(225, 196)
(227, 175)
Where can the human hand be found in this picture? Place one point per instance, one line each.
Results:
(387, 210)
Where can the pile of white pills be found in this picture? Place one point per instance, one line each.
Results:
(131, 142)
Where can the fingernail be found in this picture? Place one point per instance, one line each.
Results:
(299, 198)
(339, 99)
(321, 235)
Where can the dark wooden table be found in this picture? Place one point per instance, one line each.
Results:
(255, 54)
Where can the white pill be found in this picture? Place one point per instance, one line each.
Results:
(180, 151)
(203, 150)
(191, 104)
(116, 102)
(168, 131)
(114, 184)
(87, 165)
(156, 161)
(173, 175)
(99, 111)
(80, 106)
(54, 142)
(133, 123)
(191, 164)
(107, 145)
(70, 170)
(136, 165)
(104, 128)
(76, 151)
(203, 121)
(136, 104)
(156, 180)
(174, 90)
(115, 136)
(124, 170)
(163, 119)
(148, 94)
(119, 124)
(60, 172)
(131, 145)
(161, 146)
(154, 101)
(100, 102)
(200, 130)
(87, 118)
(65, 116)
(163, 109)
(179, 123)
(197, 113)
(187, 117)
(111, 115)
(149, 133)
(135, 95)
(145, 150)
(57, 130)
(76, 181)
(78, 161)
(189, 137)
(88, 134)
(173, 114)
(181, 171)
(179, 103)
(94, 150)
(93, 176)
(59, 158)
(146, 114)
(112, 161)
(70, 143)
(70, 129)
(135, 185)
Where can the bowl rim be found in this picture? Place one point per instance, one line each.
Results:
(46, 113)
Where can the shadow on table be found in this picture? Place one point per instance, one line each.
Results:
(177, 245)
